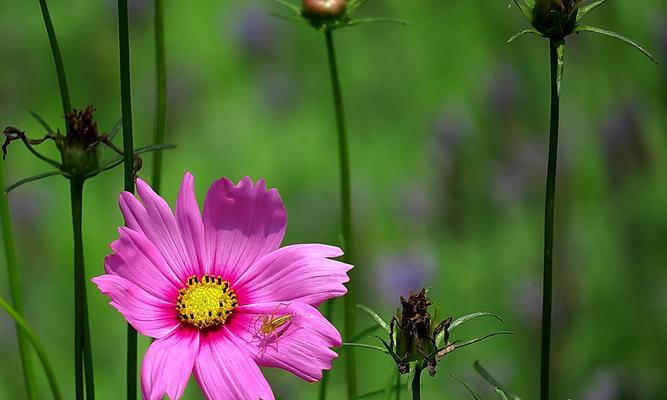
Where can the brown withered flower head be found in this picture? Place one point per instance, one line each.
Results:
(80, 148)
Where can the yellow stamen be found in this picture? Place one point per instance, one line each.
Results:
(207, 302)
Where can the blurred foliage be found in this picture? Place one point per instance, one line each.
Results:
(448, 130)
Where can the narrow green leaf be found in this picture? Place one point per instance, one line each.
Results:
(493, 381)
(460, 321)
(115, 129)
(523, 32)
(289, 5)
(354, 4)
(525, 10)
(37, 345)
(31, 179)
(501, 394)
(615, 35)
(470, 389)
(119, 160)
(359, 21)
(479, 339)
(42, 122)
(366, 346)
(290, 18)
(365, 333)
(375, 317)
(588, 8)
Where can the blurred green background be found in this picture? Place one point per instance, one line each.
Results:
(448, 131)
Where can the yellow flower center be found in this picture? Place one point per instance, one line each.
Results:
(207, 302)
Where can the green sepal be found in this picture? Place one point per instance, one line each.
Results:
(33, 179)
(458, 345)
(523, 32)
(588, 8)
(42, 122)
(460, 321)
(289, 5)
(411, 374)
(525, 8)
(365, 333)
(615, 35)
(501, 394)
(468, 387)
(493, 381)
(365, 346)
(119, 160)
(375, 317)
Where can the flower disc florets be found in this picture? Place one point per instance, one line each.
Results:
(206, 303)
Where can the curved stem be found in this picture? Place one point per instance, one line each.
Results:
(160, 93)
(36, 344)
(549, 224)
(82, 348)
(57, 57)
(15, 288)
(346, 214)
(128, 148)
(416, 382)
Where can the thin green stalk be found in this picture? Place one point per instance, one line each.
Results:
(36, 344)
(549, 225)
(15, 288)
(57, 57)
(346, 213)
(416, 382)
(82, 346)
(160, 92)
(128, 148)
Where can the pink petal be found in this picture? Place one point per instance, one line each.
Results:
(301, 273)
(148, 314)
(191, 225)
(242, 223)
(228, 372)
(168, 364)
(301, 345)
(136, 259)
(155, 220)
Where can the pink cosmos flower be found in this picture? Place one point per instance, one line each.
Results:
(218, 294)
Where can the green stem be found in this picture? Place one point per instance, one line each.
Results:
(128, 148)
(15, 288)
(549, 225)
(416, 382)
(36, 344)
(160, 92)
(346, 212)
(57, 57)
(82, 348)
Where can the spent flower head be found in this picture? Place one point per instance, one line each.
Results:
(417, 339)
(81, 148)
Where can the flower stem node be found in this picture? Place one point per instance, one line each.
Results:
(320, 12)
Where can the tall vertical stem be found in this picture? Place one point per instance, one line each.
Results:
(549, 224)
(346, 213)
(57, 58)
(82, 347)
(128, 150)
(160, 92)
(15, 288)
(416, 382)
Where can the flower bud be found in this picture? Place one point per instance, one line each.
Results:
(555, 18)
(320, 12)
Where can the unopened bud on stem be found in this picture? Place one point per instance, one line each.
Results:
(321, 11)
